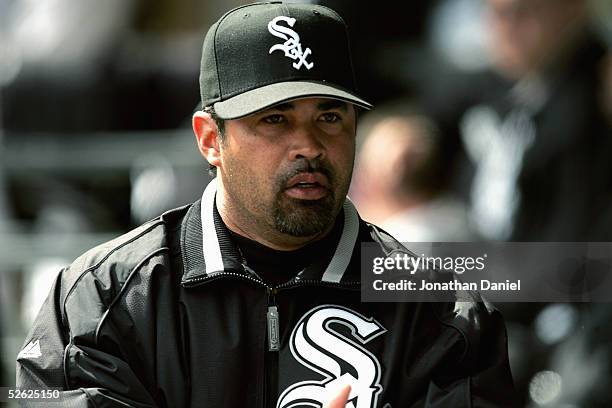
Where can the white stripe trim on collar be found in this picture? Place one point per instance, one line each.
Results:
(210, 241)
(344, 251)
(212, 251)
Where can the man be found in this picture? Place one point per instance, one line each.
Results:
(250, 297)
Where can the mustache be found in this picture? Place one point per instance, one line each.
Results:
(307, 166)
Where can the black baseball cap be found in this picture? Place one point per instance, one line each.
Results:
(263, 54)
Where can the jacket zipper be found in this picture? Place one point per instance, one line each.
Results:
(272, 321)
(271, 354)
(273, 342)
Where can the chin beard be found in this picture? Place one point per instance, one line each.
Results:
(304, 218)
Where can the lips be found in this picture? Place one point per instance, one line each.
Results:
(308, 180)
(307, 186)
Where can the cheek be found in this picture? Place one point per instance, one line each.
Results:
(251, 170)
(262, 164)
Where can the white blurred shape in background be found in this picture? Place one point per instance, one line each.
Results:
(40, 277)
(555, 323)
(52, 36)
(153, 187)
(545, 387)
(458, 33)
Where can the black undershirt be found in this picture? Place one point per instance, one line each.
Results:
(275, 267)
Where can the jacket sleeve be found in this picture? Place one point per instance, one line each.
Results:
(481, 378)
(85, 376)
(491, 383)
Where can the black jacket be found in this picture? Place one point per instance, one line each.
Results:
(167, 316)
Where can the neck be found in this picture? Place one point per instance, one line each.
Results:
(239, 222)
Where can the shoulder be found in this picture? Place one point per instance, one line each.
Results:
(379, 238)
(91, 283)
(475, 320)
(122, 251)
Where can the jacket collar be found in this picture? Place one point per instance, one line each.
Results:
(208, 248)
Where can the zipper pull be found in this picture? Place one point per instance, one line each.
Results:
(273, 341)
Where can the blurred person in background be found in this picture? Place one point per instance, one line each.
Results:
(536, 140)
(538, 146)
(400, 180)
(534, 164)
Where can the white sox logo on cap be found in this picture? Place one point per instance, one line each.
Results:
(292, 46)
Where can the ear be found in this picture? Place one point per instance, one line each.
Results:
(206, 133)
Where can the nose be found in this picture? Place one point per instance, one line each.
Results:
(306, 143)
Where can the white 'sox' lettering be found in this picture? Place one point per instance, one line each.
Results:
(292, 46)
(316, 345)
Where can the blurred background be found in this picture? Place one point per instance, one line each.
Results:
(493, 122)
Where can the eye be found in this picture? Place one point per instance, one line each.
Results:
(274, 119)
(330, 117)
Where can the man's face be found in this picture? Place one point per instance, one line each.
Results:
(287, 169)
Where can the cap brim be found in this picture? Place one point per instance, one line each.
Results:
(261, 98)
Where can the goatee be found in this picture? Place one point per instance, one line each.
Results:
(304, 218)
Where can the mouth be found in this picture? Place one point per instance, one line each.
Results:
(307, 186)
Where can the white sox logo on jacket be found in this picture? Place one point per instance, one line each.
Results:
(292, 46)
(316, 345)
